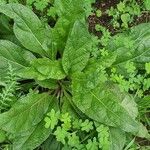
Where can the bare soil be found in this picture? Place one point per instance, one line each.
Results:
(105, 20)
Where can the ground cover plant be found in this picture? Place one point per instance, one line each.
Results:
(74, 75)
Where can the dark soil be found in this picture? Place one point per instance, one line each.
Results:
(105, 20)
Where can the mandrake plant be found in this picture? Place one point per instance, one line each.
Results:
(77, 83)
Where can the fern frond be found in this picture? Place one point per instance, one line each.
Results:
(11, 85)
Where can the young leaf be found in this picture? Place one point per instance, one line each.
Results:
(77, 52)
(44, 68)
(23, 115)
(68, 14)
(27, 27)
(147, 68)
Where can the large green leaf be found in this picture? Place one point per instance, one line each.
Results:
(52, 144)
(118, 139)
(68, 14)
(32, 138)
(69, 107)
(48, 83)
(13, 55)
(35, 136)
(131, 107)
(25, 113)
(66, 8)
(2, 136)
(77, 50)
(132, 46)
(44, 68)
(100, 103)
(5, 27)
(27, 27)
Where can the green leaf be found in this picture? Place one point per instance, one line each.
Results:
(48, 83)
(35, 136)
(77, 52)
(66, 8)
(68, 108)
(147, 68)
(144, 104)
(13, 55)
(131, 107)
(52, 143)
(51, 120)
(61, 134)
(121, 6)
(27, 27)
(44, 68)
(147, 4)
(87, 125)
(5, 27)
(32, 138)
(101, 104)
(23, 115)
(2, 136)
(143, 132)
(73, 140)
(103, 136)
(133, 46)
(125, 19)
(68, 14)
(118, 139)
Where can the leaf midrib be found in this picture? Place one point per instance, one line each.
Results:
(132, 58)
(28, 108)
(30, 30)
(106, 107)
